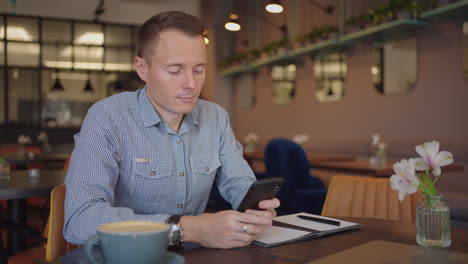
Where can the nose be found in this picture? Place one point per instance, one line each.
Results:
(189, 81)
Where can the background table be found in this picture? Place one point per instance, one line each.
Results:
(302, 252)
(49, 160)
(20, 187)
(363, 166)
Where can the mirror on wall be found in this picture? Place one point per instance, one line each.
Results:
(394, 69)
(245, 86)
(465, 49)
(284, 82)
(330, 72)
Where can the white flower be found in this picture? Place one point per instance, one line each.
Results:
(375, 139)
(42, 137)
(301, 139)
(251, 138)
(405, 181)
(431, 158)
(22, 140)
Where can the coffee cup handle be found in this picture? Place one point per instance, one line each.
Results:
(88, 249)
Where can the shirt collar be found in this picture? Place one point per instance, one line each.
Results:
(151, 116)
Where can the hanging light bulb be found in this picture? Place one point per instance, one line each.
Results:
(88, 87)
(274, 7)
(233, 24)
(205, 37)
(57, 86)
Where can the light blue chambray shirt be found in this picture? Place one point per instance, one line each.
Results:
(129, 165)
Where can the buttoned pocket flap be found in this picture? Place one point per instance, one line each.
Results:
(205, 164)
(154, 169)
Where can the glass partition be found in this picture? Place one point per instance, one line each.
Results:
(118, 36)
(46, 53)
(88, 34)
(22, 29)
(284, 80)
(394, 70)
(23, 96)
(56, 31)
(330, 71)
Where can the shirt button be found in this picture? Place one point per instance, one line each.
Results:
(207, 169)
(177, 141)
(152, 173)
(181, 173)
(180, 205)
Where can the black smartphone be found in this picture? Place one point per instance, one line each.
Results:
(260, 190)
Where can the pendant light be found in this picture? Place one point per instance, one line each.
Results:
(88, 87)
(274, 7)
(57, 86)
(233, 23)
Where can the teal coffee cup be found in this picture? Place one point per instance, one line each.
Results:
(129, 242)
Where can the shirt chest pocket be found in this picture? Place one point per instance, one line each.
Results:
(204, 171)
(150, 180)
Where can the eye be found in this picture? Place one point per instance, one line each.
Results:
(199, 70)
(174, 70)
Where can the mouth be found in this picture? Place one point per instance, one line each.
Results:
(187, 99)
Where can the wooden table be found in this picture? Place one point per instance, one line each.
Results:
(313, 157)
(302, 252)
(49, 160)
(363, 166)
(20, 187)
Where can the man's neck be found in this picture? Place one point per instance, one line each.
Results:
(173, 121)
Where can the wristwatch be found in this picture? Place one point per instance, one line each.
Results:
(175, 237)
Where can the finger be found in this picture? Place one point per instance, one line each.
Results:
(269, 204)
(251, 218)
(253, 230)
(263, 213)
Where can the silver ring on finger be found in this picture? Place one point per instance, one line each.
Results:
(245, 229)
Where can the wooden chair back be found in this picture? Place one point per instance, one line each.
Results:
(56, 244)
(370, 197)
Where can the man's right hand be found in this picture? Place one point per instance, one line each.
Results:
(225, 229)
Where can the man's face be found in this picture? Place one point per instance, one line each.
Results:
(176, 75)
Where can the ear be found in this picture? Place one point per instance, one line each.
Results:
(141, 67)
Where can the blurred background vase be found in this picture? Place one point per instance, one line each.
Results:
(4, 169)
(433, 222)
(20, 151)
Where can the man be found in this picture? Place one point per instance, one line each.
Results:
(154, 154)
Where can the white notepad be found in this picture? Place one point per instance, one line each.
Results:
(298, 229)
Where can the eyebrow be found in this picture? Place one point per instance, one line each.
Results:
(181, 65)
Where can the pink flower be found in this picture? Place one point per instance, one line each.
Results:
(405, 180)
(431, 157)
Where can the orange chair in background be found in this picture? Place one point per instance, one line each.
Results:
(56, 245)
(369, 197)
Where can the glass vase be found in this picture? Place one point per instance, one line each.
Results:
(433, 222)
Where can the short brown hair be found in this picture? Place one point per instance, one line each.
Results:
(150, 30)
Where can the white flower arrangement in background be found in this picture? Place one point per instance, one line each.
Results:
(251, 138)
(42, 137)
(23, 140)
(377, 152)
(301, 139)
(251, 141)
(375, 139)
(407, 181)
